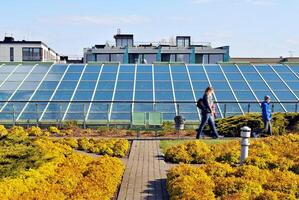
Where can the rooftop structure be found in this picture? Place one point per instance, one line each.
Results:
(126, 51)
(20, 51)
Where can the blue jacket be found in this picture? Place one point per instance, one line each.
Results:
(266, 111)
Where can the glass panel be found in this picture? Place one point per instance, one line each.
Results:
(22, 95)
(29, 85)
(42, 95)
(87, 85)
(234, 76)
(178, 68)
(144, 68)
(58, 68)
(277, 85)
(220, 85)
(123, 95)
(182, 85)
(125, 85)
(90, 76)
(161, 85)
(72, 76)
(201, 86)
(53, 77)
(109, 68)
(195, 69)
(144, 85)
(162, 76)
(127, 68)
(198, 77)
(75, 68)
(180, 76)
(239, 85)
(103, 95)
(184, 96)
(106, 85)
(48, 85)
(144, 76)
(141, 95)
(10, 85)
(67, 85)
(63, 95)
(126, 76)
(83, 95)
(244, 95)
(166, 96)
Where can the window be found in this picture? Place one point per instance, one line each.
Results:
(182, 58)
(149, 58)
(102, 58)
(11, 50)
(215, 58)
(32, 54)
(117, 57)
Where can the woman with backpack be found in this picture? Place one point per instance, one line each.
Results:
(207, 113)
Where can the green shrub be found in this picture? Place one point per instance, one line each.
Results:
(17, 134)
(70, 124)
(167, 128)
(186, 182)
(189, 152)
(3, 131)
(34, 131)
(54, 129)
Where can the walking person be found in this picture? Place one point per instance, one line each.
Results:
(207, 113)
(266, 115)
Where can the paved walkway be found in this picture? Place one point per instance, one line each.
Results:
(145, 174)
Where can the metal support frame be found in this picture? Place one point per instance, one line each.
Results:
(192, 88)
(113, 95)
(54, 92)
(231, 88)
(172, 88)
(15, 91)
(269, 87)
(37, 88)
(94, 92)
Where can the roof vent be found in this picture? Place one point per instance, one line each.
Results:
(8, 39)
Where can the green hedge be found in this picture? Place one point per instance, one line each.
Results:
(281, 123)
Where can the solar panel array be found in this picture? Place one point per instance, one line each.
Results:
(153, 84)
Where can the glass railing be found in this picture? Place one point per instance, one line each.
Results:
(121, 111)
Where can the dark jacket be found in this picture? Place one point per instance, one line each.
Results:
(266, 111)
(205, 100)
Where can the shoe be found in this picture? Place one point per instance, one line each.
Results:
(200, 137)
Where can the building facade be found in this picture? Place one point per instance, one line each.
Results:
(126, 52)
(22, 51)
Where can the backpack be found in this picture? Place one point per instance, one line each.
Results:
(200, 104)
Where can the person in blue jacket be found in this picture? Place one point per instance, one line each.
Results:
(266, 114)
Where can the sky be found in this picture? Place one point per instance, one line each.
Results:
(252, 28)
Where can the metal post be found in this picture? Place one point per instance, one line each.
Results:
(273, 107)
(108, 110)
(224, 114)
(245, 135)
(36, 110)
(296, 107)
(178, 108)
(13, 115)
(60, 117)
(84, 115)
(248, 111)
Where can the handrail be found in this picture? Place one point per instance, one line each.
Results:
(127, 101)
